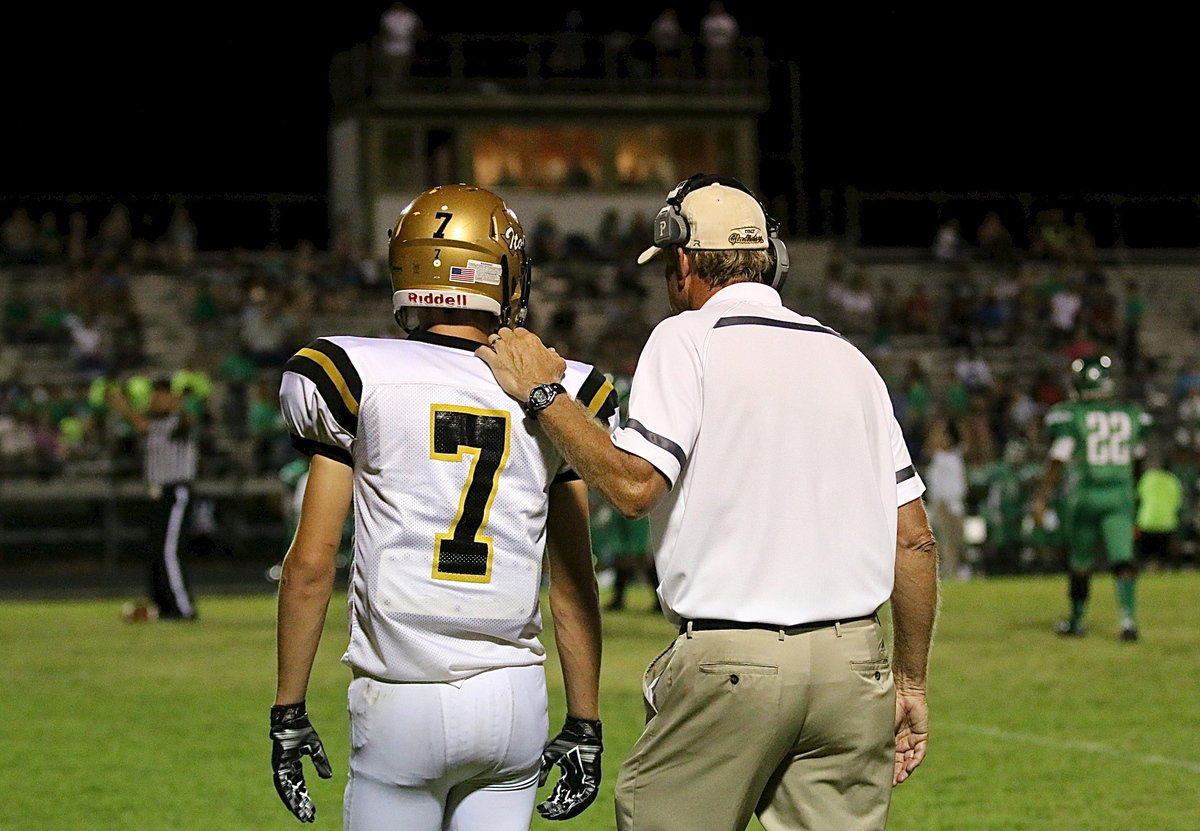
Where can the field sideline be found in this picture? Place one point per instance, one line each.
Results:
(162, 727)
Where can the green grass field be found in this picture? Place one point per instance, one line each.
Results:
(162, 727)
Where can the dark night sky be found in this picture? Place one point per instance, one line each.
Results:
(215, 99)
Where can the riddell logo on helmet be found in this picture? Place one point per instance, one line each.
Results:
(436, 298)
(746, 236)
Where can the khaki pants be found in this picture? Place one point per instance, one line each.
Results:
(795, 728)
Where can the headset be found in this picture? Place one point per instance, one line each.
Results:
(671, 228)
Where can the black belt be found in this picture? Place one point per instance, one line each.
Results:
(710, 624)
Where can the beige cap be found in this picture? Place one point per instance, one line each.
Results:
(720, 218)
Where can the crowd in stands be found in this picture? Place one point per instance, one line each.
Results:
(240, 315)
(978, 349)
(974, 352)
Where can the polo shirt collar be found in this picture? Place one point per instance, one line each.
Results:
(759, 293)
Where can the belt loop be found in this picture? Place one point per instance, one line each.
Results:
(781, 633)
(837, 627)
(689, 630)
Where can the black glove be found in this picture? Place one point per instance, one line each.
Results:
(293, 736)
(576, 749)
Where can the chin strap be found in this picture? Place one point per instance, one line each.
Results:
(405, 320)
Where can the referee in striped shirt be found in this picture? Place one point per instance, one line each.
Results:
(169, 459)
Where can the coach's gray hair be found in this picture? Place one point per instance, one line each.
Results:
(717, 268)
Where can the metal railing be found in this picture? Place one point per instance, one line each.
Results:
(532, 64)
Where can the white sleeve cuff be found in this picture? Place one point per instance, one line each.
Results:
(666, 456)
(908, 487)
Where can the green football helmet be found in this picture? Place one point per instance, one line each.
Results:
(1092, 377)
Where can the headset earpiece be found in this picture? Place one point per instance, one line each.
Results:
(670, 228)
(781, 262)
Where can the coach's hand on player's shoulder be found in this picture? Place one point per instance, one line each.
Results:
(520, 361)
(292, 737)
(912, 731)
(576, 751)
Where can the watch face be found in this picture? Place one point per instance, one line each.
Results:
(541, 396)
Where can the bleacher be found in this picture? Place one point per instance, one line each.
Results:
(88, 508)
(89, 505)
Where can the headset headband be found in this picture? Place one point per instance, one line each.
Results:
(702, 180)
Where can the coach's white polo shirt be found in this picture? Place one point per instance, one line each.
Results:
(786, 463)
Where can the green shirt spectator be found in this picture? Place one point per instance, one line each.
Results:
(237, 368)
(264, 420)
(1135, 309)
(958, 399)
(205, 308)
(72, 431)
(195, 387)
(1160, 496)
(98, 393)
(192, 383)
(17, 321)
(138, 389)
(917, 396)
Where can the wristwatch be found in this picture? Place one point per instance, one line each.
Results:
(540, 397)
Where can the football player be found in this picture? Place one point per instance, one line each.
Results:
(619, 543)
(456, 494)
(1096, 440)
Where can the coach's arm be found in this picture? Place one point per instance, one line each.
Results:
(914, 605)
(520, 362)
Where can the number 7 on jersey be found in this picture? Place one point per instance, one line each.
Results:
(463, 553)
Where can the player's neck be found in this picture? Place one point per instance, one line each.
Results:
(456, 330)
(467, 324)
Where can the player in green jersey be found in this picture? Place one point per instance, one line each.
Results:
(1004, 488)
(619, 543)
(1096, 441)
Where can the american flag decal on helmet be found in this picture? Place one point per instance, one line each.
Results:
(459, 274)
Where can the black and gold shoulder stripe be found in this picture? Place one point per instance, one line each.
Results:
(314, 448)
(329, 367)
(598, 396)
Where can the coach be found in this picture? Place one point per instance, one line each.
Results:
(786, 513)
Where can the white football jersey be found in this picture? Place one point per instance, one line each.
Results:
(451, 486)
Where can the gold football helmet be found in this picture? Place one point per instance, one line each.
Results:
(460, 247)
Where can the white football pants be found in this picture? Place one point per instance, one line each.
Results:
(453, 756)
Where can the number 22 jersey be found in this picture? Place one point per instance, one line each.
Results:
(1098, 441)
(451, 490)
